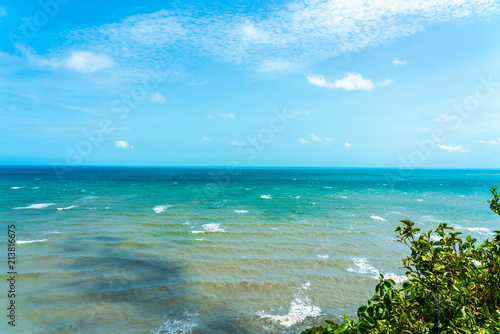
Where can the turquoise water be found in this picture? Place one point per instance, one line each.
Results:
(150, 250)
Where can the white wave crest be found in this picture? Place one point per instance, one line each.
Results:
(378, 218)
(265, 196)
(184, 324)
(213, 227)
(323, 256)
(364, 267)
(241, 211)
(161, 208)
(16, 188)
(30, 241)
(197, 231)
(68, 207)
(36, 206)
(300, 309)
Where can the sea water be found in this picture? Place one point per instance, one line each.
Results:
(184, 250)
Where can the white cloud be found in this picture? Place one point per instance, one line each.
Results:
(221, 115)
(352, 81)
(347, 145)
(452, 149)
(81, 61)
(303, 141)
(397, 62)
(314, 137)
(491, 141)
(299, 32)
(84, 61)
(206, 138)
(158, 97)
(237, 143)
(124, 145)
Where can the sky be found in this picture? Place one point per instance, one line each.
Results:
(316, 83)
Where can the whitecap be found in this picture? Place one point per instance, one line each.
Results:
(68, 207)
(265, 196)
(16, 188)
(183, 324)
(199, 239)
(343, 196)
(300, 308)
(197, 231)
(241, 211)
(30, 241)
(161, 208)
(326, 187)
(420, 200)
(213, 227)
(378, 218)
(480, 230)
(323, 256)
(364, 267)
(36, 206)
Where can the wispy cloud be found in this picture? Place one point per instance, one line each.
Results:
(490, 141)
(205, 138)
(123, 145)
(300, 32)
(237, 143)
(158, 97)
(351, 81)
(397, 62)
(314, 137)
(347, 145)
(221, 115)
(453, 149)
(3, 12)
(80, 61)
(303, 141)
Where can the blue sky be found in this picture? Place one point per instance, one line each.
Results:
(390, 83)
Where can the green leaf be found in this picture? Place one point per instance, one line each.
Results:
(342, 328)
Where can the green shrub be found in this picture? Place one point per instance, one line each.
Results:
(453, 287)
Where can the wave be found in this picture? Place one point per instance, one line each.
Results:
(480, 230)
(241, 211)
(213, 227)
(161, 208)
(184, 324)
(300, 309)
(197, 231)
(378, 218)
(16, 188)
(68, 207)
(364, 267)
(265, 196)
(323, 256)
(30, 241)
(36, 206)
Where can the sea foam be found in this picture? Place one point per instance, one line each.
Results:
(364, 267)
(161, 208)
(30, 241)
(300, 309)
(213, 227)
(265, 196)
(241, 211)
(15, 188)
(185, 323)
(378, 218)
(35, 206)
(68, 207)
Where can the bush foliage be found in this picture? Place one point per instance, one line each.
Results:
(453, 286)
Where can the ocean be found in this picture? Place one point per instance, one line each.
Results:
(206, 250)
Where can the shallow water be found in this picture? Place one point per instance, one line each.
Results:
(151, 250)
